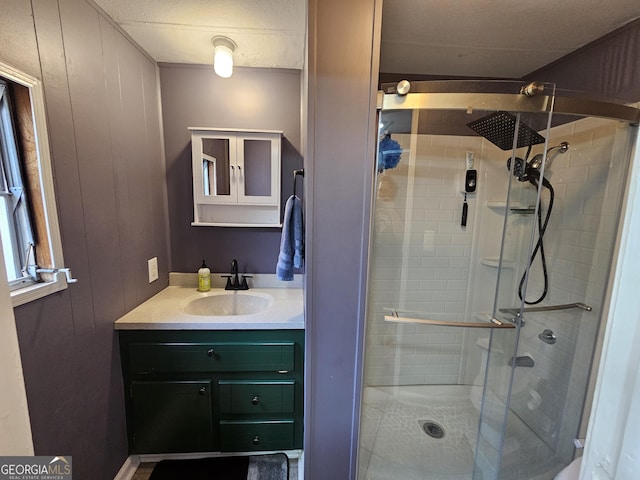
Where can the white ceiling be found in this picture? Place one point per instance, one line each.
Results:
(486, 38)
(492, 38)
(268, 33)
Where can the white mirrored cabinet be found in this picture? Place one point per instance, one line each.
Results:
(236, 177)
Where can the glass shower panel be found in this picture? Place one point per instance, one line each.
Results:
(559, 334)
(427, 317)
(523, 218)
(478, 353)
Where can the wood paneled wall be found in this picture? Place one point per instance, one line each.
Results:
(102, 102)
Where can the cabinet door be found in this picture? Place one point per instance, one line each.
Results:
(171, 416)
(215, 171)
(258, 168)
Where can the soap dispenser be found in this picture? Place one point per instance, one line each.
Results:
(204, 278)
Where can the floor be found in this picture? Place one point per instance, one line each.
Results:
(394, 443)
(144, 470)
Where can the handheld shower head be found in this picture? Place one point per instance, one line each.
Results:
(530, 171)
(552, 153)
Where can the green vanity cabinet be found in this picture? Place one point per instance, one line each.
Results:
(201, 391)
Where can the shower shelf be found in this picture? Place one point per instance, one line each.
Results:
(523, 210)
(494, 262)
(515, 208)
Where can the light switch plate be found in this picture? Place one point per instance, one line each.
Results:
(153, 269)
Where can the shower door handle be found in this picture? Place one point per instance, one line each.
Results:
(548, 308)
(494, 323)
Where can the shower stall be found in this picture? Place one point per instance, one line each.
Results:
(493, 230)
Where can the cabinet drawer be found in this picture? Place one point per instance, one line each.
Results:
(242, 436)
(211, 357)
(237, 396)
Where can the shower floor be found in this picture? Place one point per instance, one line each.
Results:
(394, 445)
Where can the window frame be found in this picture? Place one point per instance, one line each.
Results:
(56, 276)
(14, 196)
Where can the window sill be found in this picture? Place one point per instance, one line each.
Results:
(38, 290)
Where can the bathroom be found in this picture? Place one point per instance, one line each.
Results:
(81, 378)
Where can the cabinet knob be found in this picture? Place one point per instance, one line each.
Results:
(256, 440)
(255, 400)
(210, 352)
(202, 390)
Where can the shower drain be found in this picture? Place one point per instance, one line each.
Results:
(432, 429)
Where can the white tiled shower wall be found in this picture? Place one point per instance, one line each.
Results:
(589, 183)
(420, 262)
(429, 263)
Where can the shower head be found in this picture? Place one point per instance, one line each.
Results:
(499, 128)
(530, 171)
(552, 153)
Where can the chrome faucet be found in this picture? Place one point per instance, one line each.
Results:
(233, 282)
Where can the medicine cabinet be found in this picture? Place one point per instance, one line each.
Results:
(236, 177)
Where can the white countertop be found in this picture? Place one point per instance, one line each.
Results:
(165, 311)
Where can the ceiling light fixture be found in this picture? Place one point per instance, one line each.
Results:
(223, 48)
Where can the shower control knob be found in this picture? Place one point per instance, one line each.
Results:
(471, 178)
(547, 336)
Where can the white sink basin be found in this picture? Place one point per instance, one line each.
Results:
(228, 303)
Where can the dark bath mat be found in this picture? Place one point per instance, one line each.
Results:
(255, 467)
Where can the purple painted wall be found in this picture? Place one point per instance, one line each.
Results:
(193, 96)
(104, 124)
(608, 66)
(340, 160)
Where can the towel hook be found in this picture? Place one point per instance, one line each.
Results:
(295, 175)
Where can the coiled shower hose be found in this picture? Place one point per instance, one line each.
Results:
(542, 227)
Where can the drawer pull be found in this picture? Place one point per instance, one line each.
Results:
(202, 390)
(210, 352)
(255, 400)
(256, 440)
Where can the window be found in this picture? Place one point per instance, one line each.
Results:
(15, 224)
(29, 232)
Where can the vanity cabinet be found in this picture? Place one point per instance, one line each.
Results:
(236, 177)
(208, 391)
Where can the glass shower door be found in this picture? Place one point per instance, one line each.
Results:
(435, 294)
(506, 447)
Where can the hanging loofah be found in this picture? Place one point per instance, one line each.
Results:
(389, 152)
